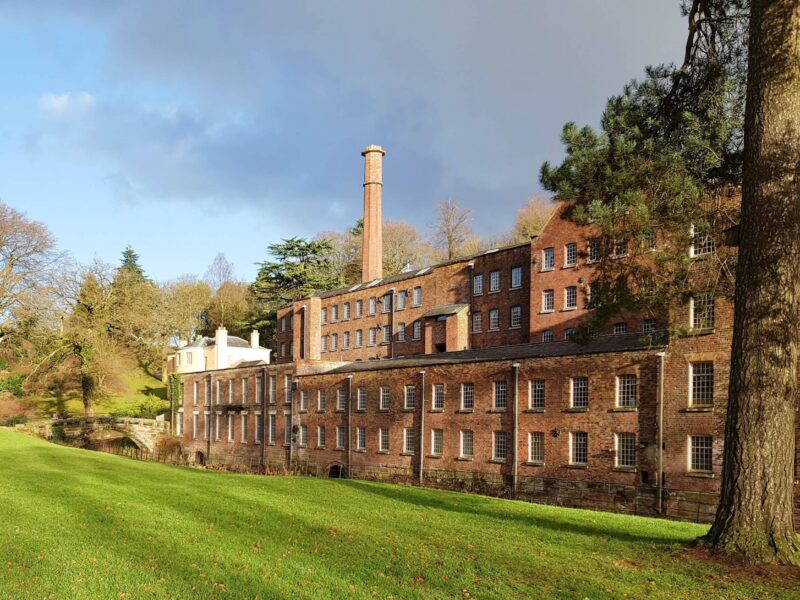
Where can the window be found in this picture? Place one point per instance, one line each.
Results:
(620, 328)
(359, 308)
(195, 419)
(579, 392)
(359, 338)
(548, 335)
(702, 243)
(548, 259)
(548, 301)
(500, 395)
(649, 325)
(437, 442)
(335, 313)
(571, 254)
(273, 389)
(218, 391)
(345, 340)
(570, 297)
(626, 391)
(189, 357)
(649, 240)
(373, 336)
(625, 445)
(402, 297)
(416, 331)
(409, 440)
(324, 315)
(410, 401)
(593, 250)
(287, 429)
(361, 438)
(288, 393)
(438, 397)
(346, 311)
(477, 284)
(323, 343)
(245, 391)
(386, 334)
(341, 400)
(244, 428)
(230, 428)
(385, 398)
(417, 298)
(216, 427)
(334, 341)
(373, 305)
(179, 424)
(536, 447)
(195, 392)
(304, 400)
(620, 247)
(259, 427)
(702, 383)
(230, 391)
(466, 443)
(467, 396)
(383, 439)
(322, 400)
(494, 319)
(361, 399)
(516, 277)
(515, 318)
(578, 448)
(340, 438)
(500, 445)
(592, 292)
(401, 332)
(494, 281)
(476, 322)
(320, 437)
(569, 333)
(303, 435)
(386, 303)
(259, 389)
(536, 398)
(701, 308)
(273, 433)
(700, 453)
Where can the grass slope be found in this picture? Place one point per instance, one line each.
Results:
(77, 524)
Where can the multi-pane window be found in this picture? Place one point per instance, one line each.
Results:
(335, 313)
(259, 427)
(287, 429)
(383, 439)
(340, 438)
(477, 322)
(401, 300)
(620, 247)
(593, 250)
(218, 391)
(345, 340)
(620, 328)
(304, 435)
(361, 438)
(438, 397)
(702, 311)
(702, 243)
(466, 443)
(287, 389)
(500, 445)
(373, 306)
(702, 378)
(324, 315)
(195, 419)
(536, 399)
(259, 389)
(579, 392)
(346, 311)
(361, 399)
(437, 442)
(467, 396)
(494, 281)
(494, 319)
(516, 277)
(359, 308)
(273, 431)
(626, 449)
(195, 392)
(571, 254)
(323, 343)
(570, 297)
(320, 436)
(386, 334)
(700, 453)
(548, 335)
(386, 303)
(500, 395)
(341, 400)
(385, 398)
(536, 447)
(304, 400)
(417, 297)
(548, 301)
(548, 259)
(230, 391)
(179, 425)
(569, 333)
(245, 391)
(401, 332)
(477, 284)
(283, 324)
(373, 336)
(648, 325)
(515, 317)
(273, 389)
(322, 400)
(578, 448)
(409, 440)
(410, 400)
(627, 391)
(359, 338)
(244, 428)
(416, 331)
(230, 428)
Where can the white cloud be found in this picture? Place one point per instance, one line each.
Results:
(69, 103)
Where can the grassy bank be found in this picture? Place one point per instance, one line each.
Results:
(77, 524)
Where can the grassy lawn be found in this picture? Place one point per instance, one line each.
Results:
(78, 524)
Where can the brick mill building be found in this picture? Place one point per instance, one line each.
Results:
(464, 375)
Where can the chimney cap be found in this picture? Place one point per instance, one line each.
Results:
(373, 148)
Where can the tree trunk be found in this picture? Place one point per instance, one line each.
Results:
(754, 517)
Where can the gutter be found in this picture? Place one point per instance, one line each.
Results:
(660, 482)
(422, 428)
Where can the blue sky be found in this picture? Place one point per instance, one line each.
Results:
(190, 128)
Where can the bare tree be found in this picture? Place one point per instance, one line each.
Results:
(532, 218)
(220, 276)
(451, 230)
(183, 302)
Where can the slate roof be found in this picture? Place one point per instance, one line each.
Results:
(445, 310)
(207, 342)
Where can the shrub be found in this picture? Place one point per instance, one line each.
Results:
(149, 409)
(168, 445)
(13, 384)
(58, 434)
(15, 420)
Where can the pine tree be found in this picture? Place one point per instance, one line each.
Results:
(130, 263)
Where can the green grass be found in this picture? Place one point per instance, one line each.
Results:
(78, 524)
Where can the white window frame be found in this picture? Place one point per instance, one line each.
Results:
(532, 436)
(572, 448)
(410, 398)
(464, 435)
(621, 453)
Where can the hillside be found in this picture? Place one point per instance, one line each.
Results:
(78, 524)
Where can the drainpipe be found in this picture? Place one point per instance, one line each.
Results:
(349, 423)
(295, 391)
(209, 420)
(515, 466)
(422, 427)
(263, 400)
(659, 499)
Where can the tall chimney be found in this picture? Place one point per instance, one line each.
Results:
(372, 248)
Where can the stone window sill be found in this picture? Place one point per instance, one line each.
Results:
(700, 474)
(302, 445)
(465, 458)
(497, 410)
(478, 294)
(406, 454)
(580, 467)
(465, 411)
(498, 461)
(433, 456)
(534, 410)
(547, 270)
(340, 449)
(572, 266)
(383, 452)
(569, 309)
(533, 463)
(546, 312)
(409, 410)
(493, 329)
(515, 326)
(577, 409)
(436, 410)
(362, 450)
(494, 292)
(321, 447)
(515, 288)
(698, 409)
(624, 409)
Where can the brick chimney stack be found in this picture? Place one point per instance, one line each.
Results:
(372, 248)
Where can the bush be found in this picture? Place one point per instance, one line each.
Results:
(15, 420)
(13, 384)
(149, 409)
(168, 445)
(58, 434)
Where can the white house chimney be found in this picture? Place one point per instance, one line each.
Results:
(221, 346)
(254, 338)
(182, 343)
